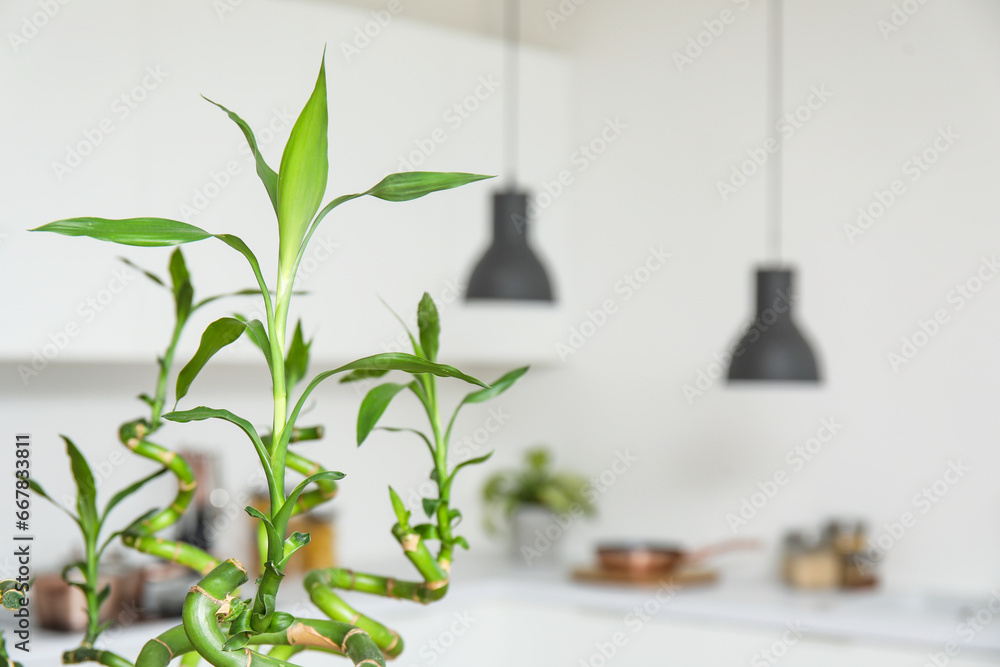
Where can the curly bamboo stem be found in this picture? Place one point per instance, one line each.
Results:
(142, 536)
(90, 654)
(201, 632)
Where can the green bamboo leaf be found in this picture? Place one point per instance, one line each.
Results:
(218, 334)
(179, 275)
(461, 541)
(297, 358)
(37, 488)
(240, 621)
(86, 496)
(128, 491)
(183, 302)
(497, 388)
(258, 334)
(490, 487)
(427, 441)
(104, 626)
(144, 232)
(430, 506)
(413, 184)
(103, 594)
(237, 244)
(429, 325)
(273, 536)
(402, 515)
(201, 413)
(472, 462)
(454, 518)
(107, 542)
(236, 642)
(303, 173)
(80, 565)
(397, 187)
(373, 407)
(426, 531)
(267, 175)
(285, 513)
(282, 620)
(149, 274)
(398, 361)
(180, 281)
(417, 349)
(243, 292)
(360, 375)
(82, 585)
(294, 542)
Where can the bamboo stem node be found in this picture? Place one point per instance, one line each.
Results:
(165, 645)
(410, 542)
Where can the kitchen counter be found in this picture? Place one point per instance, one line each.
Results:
(748, 615)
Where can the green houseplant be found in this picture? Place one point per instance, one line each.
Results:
(141, 533)
(226, 622)
(531, 499)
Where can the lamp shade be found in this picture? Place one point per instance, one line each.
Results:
(509, 269)
(772, 347)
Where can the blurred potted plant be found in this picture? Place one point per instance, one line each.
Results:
(538, 506)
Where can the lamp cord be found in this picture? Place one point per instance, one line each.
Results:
(775, 103)
(512, 38)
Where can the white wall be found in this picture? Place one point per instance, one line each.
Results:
(655, 185)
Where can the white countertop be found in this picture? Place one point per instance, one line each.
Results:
(884, 619)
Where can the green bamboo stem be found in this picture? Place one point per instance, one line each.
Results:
(142, 537)
(90, 654)
(325, 489)
(133, 436)
(201, 632)
(172, 551)
(322, 584)
(267, 594)
(200, 608)
(329, 636)
(93, 604)
(373, 584)
(416, 552)
(388, 641)
(159, 651)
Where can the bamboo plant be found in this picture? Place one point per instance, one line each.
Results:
(434, 569)
(140, 534)
(219, 625)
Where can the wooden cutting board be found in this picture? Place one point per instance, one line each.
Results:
(681, 578)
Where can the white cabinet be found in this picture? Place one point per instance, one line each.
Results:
(108, 122)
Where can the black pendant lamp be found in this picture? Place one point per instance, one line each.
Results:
(772, 348)
(510, 269)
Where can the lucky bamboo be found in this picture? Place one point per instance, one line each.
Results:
(218, 626)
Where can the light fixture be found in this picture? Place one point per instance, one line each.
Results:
(772, 348)
(510, 269)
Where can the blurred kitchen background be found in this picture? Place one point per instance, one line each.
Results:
(631, 115)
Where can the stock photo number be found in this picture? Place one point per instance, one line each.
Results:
(14, 590)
